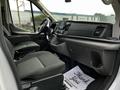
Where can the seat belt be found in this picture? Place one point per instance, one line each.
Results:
(116, 26)
(116, 30)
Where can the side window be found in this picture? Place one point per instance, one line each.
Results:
(25, 15)
(38, 16)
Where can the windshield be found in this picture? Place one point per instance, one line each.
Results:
(81, 10)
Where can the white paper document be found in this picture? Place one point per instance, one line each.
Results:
(76, 79)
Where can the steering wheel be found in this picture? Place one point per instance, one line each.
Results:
(44, 24)
(45, 27)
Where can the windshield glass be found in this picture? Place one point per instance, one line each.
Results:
(81, 10)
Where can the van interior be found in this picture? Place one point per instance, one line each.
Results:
(40, 59)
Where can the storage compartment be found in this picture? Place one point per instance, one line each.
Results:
(59, 46)
(103, 61)
(96, 59)
(100, 56)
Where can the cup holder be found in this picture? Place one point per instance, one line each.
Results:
(96, 59)
(59, 46)
(56, 41)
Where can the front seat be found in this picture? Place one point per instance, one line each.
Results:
(38, 64)
(43, 67)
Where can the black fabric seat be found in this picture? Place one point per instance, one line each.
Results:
(37, 65)
(26, 46)
(41, 65)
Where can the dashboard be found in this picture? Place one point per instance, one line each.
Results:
(88, 43)
(85, 29)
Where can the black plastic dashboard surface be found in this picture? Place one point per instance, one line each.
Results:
(86, 29)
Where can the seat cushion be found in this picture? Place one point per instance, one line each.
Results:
(40, 65)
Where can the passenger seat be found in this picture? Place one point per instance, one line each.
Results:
(42, 67)
(37, 63)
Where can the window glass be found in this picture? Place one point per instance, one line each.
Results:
(38, 16)
(81, 10)
(22, 15)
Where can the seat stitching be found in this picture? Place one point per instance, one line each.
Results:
(41, 62)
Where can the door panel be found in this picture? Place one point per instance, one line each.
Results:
(18, 31)
(17, 37)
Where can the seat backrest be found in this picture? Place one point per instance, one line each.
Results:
(10, 47)
(6, 32)
(9, 44)
(4, 45)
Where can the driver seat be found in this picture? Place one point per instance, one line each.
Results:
(23, 47)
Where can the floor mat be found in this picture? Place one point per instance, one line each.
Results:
(76, 79)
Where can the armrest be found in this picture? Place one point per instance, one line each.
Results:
(24, 48)
(15, 39)
(28, 46)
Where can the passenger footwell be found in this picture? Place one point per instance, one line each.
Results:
(76, 79)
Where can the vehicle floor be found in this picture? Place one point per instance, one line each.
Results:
(95, 85)
(99, 80)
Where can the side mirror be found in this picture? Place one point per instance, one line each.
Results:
(67, 0)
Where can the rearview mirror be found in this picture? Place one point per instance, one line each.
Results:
(107, 2)
(67, 0)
